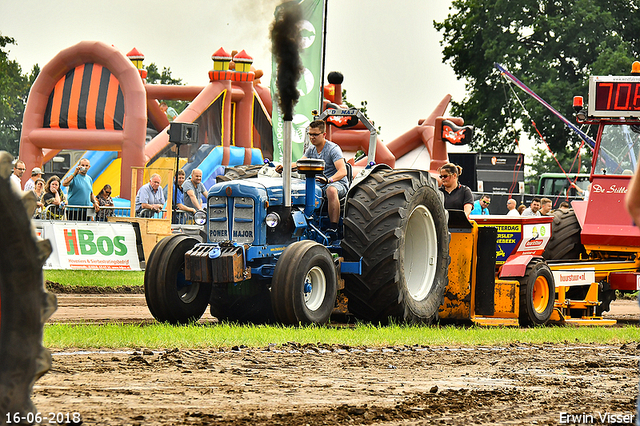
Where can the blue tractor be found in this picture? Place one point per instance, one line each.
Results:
(268, 257)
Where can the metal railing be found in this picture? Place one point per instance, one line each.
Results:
(52, 212)
(108, 211)
(179, 218)
(80, 213)
(88, 213)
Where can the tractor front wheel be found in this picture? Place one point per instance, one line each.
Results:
(304, 285)
(170, 297)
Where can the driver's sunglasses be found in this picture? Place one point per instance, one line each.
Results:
(107, 192)
(444, 176)
(486, 202)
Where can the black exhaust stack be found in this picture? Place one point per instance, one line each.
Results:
(285, 40)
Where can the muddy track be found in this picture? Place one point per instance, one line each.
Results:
(318, 384)
(321, 384)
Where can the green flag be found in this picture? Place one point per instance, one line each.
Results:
(309, 83)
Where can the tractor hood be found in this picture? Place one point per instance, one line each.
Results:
(264, 189)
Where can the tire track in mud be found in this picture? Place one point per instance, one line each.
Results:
(334, 384)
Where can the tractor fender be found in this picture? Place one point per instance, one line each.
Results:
(516, 265)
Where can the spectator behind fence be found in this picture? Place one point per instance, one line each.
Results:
(104, 200)
(193, 191)
(53, 199)
(39, 191)
(18, 171)
(564, 206)
(521, 208)
(481, 206)
(150, 198)
(180, 211)
(36, 174)
(511, 206)
(81, 191)
(545, 206)
(533, 209)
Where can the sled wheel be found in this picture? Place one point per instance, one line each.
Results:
(24, 303)
(396, 222)
(304, 285)
(537, 294)
(170, 297)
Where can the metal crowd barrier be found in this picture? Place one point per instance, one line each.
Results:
(80, 213)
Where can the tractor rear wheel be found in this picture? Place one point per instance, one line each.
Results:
(565, 237)
(243, 302)
(24, 303)
(537, 294)
(304, 285)
(170, 297)
(396, 222)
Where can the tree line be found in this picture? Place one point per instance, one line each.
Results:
(552, 46)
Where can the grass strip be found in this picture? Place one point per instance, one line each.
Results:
(95, 278)
(157, 336)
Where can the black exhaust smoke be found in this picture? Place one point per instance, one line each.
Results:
(285, 44)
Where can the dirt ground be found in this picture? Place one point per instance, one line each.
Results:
(336, 385)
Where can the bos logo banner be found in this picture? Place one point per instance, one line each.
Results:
(91, 245)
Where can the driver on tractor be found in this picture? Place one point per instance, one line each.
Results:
(334, 182)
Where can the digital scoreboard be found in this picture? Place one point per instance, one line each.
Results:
(614, 96)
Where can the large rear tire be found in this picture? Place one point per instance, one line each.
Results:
(537, 294)
(396, 222)
(24, 303)
(565, 237)
(170, 297)
(304, 284)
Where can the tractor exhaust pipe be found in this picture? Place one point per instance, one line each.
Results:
(286, 164)
(285, 41)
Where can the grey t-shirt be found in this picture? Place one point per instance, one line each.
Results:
(198, 190)
(330, 154)
(529, 212)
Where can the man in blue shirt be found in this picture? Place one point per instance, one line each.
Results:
(335, 172)
(150, 198)
(481, 206)
(179, 209)
(80, 191)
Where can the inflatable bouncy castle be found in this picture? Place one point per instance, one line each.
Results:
(93, 97)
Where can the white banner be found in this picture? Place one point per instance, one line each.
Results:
(90, 245)
(573, 277)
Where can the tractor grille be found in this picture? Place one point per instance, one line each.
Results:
(231, 219)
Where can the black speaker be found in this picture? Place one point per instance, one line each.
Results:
(183, 133)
